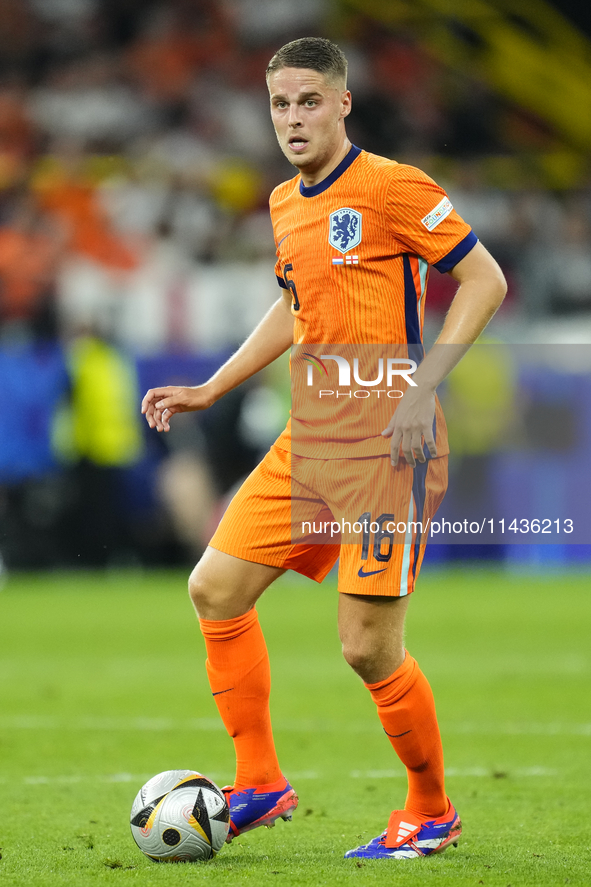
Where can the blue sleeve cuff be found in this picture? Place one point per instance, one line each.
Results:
(457, 254)
(281, 282)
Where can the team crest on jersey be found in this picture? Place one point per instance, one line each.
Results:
(344, 231)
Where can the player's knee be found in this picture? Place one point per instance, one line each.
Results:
(360, 657)
(214, 596)
(201, 591)
(371, 661)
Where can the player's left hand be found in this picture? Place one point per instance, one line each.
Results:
(411, 424)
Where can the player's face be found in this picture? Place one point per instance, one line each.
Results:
(308, 113)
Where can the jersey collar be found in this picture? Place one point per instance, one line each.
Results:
(344, 165)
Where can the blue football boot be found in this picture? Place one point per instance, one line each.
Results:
(408, 836)
(259, 805)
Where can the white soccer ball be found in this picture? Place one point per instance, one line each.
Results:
(180, 816)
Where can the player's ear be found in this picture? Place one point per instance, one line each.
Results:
(345, 103)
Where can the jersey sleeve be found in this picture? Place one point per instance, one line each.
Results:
(424, 221)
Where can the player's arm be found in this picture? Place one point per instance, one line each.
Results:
(271, 338)
(481, 291)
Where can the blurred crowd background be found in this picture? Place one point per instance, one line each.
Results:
(136, 161)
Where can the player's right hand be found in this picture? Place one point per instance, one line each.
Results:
(160, 404)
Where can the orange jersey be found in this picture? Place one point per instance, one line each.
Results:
(355, 249)
(355, 252)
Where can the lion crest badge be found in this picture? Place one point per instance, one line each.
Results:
(344, 232)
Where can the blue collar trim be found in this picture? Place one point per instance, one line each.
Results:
(344, 165)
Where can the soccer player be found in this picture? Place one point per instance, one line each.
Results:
(355, 236)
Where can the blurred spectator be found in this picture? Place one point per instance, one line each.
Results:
(489, 209)
(98, 432)
(264, 20)
(66, 191)
(32, 499)
(554, 260)
(83, 100)
(176, 43)
(566, 270)
(17, 133)
(30, 247)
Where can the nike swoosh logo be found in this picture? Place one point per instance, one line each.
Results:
(282, 239)
(362, 575)
(222, 691)
(397, 735)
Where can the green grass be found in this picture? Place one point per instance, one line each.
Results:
(102, 685)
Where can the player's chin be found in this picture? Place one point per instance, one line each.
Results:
(300, 161)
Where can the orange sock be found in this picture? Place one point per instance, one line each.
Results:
(240, 680)
(407, 711)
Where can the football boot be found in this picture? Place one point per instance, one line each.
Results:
(408, 836)
(259, 805)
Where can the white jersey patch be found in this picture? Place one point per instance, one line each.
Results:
(437, 215)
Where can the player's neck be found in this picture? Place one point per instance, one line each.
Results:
(314, 177)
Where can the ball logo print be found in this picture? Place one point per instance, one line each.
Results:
(344, 231)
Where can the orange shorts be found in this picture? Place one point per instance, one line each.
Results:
(302, 514)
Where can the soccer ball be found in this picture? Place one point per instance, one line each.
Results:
(180, 816)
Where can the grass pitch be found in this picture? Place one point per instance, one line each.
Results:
(102, 685)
